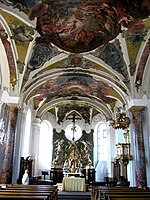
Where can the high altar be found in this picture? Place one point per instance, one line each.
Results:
(72, 159)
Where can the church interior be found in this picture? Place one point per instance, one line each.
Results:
(75, 91)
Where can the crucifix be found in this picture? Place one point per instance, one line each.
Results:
(73, 118)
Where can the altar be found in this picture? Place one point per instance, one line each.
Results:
(68, 174)
(73, 183)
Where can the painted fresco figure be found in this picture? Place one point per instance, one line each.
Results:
(78, 26)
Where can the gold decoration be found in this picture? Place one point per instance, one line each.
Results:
(123, 152)
(13, 81)
(121, 120)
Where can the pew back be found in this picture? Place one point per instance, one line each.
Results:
(28, 192)
(99, 192)
(128, 197)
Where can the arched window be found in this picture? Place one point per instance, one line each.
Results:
(27, 132)
(45, 146)
(101, 142)
(100, 151)
(73, 135)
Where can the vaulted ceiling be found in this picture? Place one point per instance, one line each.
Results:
(82, 55)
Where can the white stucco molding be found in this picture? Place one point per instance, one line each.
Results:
(139, 102)
(10, 100)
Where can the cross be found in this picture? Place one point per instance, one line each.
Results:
(73, 118)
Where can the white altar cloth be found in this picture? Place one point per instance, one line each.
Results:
(73, 184)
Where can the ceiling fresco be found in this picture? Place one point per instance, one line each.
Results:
(81, 26)
(96, 50)
(74, 86)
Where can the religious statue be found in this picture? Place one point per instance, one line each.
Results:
(73, 155)
(25, 178)
(86, 152)
(58, 152)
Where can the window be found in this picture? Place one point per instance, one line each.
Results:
(45, 146)
(26, 140)
(69, 132)
(101, 142)
(100, 151)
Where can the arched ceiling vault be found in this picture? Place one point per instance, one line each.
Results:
(79, 55)
(82, 101)
(81, 83)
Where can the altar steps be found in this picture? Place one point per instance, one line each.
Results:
(74, 195)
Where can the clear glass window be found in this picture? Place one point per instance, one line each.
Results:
(45, 145)
(102, 142)
(27, 134)
(76, 134)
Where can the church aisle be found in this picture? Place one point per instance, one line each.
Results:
(74, 195)
(70, 195)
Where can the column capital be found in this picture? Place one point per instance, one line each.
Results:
(136, 108)
(36, 120)
(137, 112)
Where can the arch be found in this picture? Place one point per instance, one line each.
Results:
(4, 67)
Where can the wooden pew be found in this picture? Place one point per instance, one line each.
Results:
(23, 197)
(26, 195)
(98, 191)
(31, 187)
(120, 194)
(49, 188)
(28, 192)
(128, 197)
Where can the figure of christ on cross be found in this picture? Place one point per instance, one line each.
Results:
(73, 118)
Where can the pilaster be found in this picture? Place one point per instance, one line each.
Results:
(138, 142)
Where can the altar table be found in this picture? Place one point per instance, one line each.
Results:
(67, 174)
(73, 184)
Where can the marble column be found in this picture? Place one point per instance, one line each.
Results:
(139, 151)
(9, 117)
(35, 144)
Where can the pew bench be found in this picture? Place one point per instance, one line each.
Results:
(28, 192)
(127, 193)
(98, 192)
(128, 197)
(29, 197)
